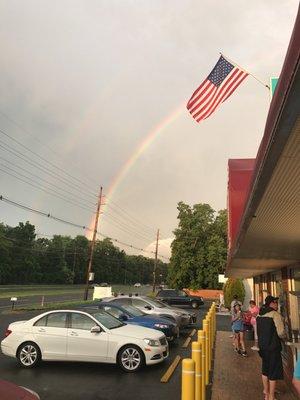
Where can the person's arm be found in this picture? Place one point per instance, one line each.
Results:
(279, 325)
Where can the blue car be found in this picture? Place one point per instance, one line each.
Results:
(132, 315)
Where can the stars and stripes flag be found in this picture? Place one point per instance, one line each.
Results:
(217, 87)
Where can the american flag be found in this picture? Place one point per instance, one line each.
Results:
(217, 87)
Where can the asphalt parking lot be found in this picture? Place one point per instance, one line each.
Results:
(91, 381)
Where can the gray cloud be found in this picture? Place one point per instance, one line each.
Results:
(91, 79)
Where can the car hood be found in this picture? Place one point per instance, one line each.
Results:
(137, 332)
(148, 320)
(179, 311)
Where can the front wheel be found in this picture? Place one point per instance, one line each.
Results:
(194, 304)
(29, 355)
(130, 358)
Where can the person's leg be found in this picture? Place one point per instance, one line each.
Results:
(272, 386)
(255, 333)
(265, 382)
(241, 337)
(255, 347)
(236, 341)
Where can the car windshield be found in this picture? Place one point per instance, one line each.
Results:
(133, 310)
(156, 303)
(106, 319)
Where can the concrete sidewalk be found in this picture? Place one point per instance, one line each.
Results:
(239, 378)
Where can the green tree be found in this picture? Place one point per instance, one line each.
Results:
(233, 287)
(199, 249)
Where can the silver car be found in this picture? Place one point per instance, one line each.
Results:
(158, 308)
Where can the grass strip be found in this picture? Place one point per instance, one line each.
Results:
(49, 306)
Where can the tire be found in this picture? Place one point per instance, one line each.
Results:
(29, 355)
(194, 304)
(130, 358)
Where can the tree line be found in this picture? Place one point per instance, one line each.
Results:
(26, 259)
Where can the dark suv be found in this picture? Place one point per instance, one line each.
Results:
(179, 298)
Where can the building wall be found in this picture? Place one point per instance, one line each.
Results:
(285, 284)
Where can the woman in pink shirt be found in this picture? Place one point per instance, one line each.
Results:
(254, 311)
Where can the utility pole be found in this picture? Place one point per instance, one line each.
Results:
(74, 262)
(155, 262)
(89, 267)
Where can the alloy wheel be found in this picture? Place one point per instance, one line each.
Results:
(28, 355)
(131, 358)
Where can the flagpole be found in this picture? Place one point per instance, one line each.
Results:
(258, 80)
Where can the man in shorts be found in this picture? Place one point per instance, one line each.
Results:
(270, 330)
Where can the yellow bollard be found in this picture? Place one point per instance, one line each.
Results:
(201, 341)
(206, 345)
(188, 379)
(197, 357)
(208, 320)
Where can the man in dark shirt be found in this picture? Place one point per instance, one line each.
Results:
(270, 329)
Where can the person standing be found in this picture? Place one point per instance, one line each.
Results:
(254, 311)
(238, 328)
(232, 304)
(270, 330)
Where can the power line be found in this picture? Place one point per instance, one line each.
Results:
(126, 228)
(48, 215)
(61, 170)
(55, 194)
(14, 122)
(151, 229)
(42, 179)
(39, 166)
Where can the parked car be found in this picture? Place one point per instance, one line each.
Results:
(137, 284)
(10, 391)
(179, 298)
(93, 336)
(157, 308)
(134, 316)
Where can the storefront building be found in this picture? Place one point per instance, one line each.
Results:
(264, 205)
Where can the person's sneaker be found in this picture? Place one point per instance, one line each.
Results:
(243, 353)
(255, 348)
(231, 336)
(237, 350)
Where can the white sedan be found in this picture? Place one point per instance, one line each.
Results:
(93, 336)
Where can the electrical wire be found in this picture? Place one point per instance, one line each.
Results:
(61, 170)
(20, 127)
(55, 194)
(43, 179)
(48, 215)
(39, 166)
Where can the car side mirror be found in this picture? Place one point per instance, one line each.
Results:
(148, 307)
(96, 329)
(123, 317)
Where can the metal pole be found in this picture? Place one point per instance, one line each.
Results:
(155, 262)
(89, 267)
(243, 69)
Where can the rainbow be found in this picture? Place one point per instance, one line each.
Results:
(139, 150)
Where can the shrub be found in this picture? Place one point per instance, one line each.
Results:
(233, 287)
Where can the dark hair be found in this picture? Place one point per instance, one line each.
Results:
(237, 304)
(252, 302)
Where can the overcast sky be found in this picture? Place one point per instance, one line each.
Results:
(84, 83)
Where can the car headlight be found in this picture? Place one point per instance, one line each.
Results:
(161, 326)
(152, 342)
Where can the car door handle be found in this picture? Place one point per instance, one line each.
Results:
(73, 334)
(41, 330)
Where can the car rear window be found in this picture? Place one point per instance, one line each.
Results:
(53, 320)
